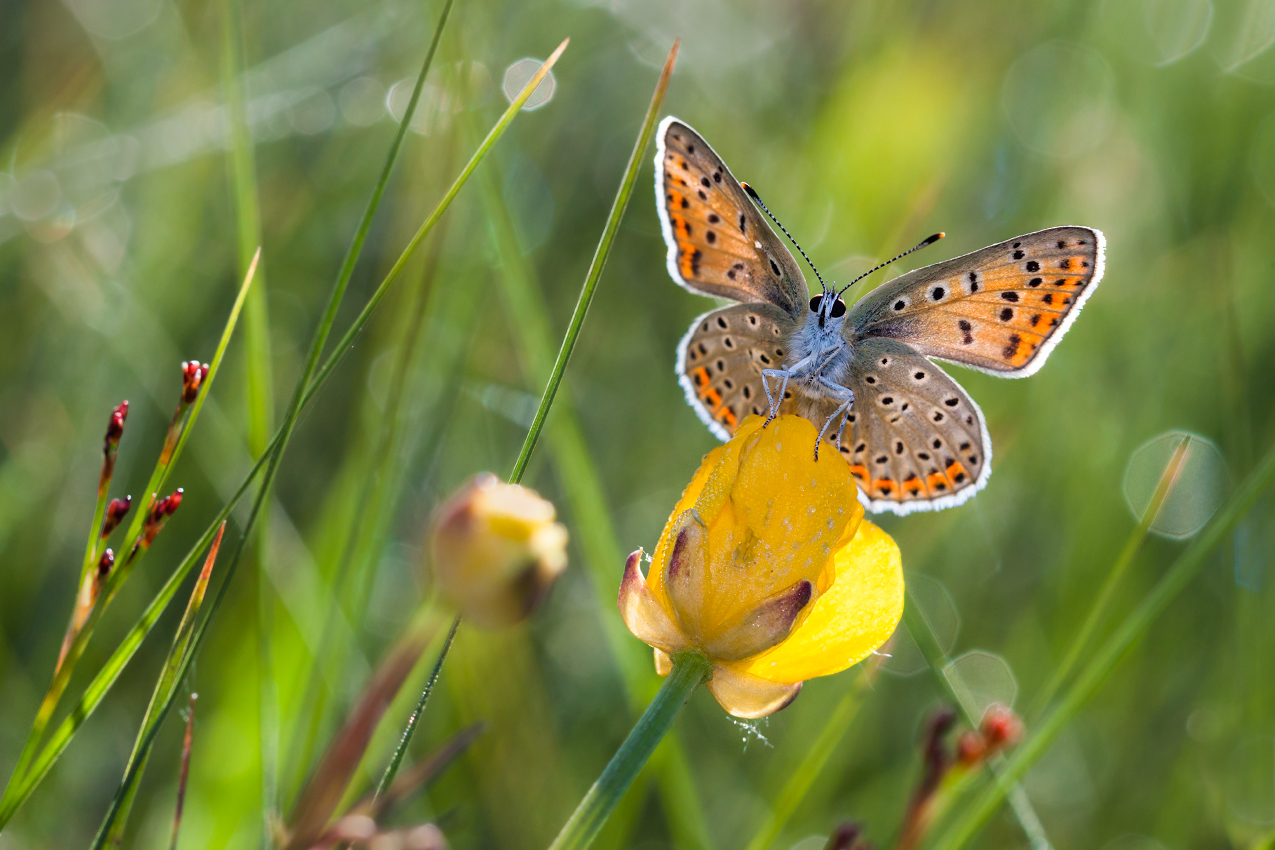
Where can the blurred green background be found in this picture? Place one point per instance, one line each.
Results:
(866, 126)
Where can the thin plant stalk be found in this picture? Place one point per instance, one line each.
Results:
(147, 737)
(391, 770)
(691, 668)
(1102, 604)
(815, 759)
(1109, 655)
(187, 740)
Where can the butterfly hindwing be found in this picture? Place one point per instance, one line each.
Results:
(720, 359)
(718, 244)
(1000, 310)
(915, 440)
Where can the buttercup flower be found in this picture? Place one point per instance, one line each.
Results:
(496, 550)
(767, 567)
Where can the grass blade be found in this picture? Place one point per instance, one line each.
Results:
(184, 776)
(815, 759)
(612, 226)
(1111, 653)
(112, 828)
(1102, 603)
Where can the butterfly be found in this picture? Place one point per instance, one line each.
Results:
(865, 374)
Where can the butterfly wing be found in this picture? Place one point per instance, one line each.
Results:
(720, 359)
(718, 243)
(915, 440)
(1000, 310)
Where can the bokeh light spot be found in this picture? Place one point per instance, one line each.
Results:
(1060, 98)
(362, 101)
(1193, 497)
(980, 680)
(938, 609)
(519, 74)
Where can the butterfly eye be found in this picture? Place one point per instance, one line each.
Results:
(815, 302)
(838, 309)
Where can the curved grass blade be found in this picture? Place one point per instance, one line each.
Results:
(1110, 654)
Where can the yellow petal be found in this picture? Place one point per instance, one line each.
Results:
(663, 664)
(744, 695)
(848, 621)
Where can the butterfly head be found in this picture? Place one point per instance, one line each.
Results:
(828, 310)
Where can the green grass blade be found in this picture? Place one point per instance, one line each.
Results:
(1111, 653)
(1102, 603)
(258, 383)
(813, 763)
(612, 226)
(112, 829)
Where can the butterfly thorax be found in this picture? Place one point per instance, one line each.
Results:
(818, 348)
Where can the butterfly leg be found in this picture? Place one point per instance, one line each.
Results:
(846, 399)
(774, 399)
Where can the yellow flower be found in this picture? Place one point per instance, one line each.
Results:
(496, 550)
(767, 567)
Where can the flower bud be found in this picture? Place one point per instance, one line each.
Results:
(115, 512)
(193, 374)
(496, 550)
(115, 427)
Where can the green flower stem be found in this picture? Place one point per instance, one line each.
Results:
(691, 668)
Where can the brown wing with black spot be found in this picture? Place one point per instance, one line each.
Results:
(718, 243)
(915, 440)
(1000, 310)
(719, 363)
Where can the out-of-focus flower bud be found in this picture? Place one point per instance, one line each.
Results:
(104, 565)
(193, 374)
(115, 512)
(496, 550)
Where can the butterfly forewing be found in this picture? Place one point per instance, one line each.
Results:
(720, 359)
(718, 244)
(915, 440)
(1000, 309)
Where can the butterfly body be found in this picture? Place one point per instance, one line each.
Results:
(913, 437)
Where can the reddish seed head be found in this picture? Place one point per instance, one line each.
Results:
(1001, 727)
(104, 564)
(115, 512)
(165, 507)
(193, 374)
(115, 427)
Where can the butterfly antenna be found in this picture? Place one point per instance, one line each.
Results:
(929, 240)
(752, 194)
